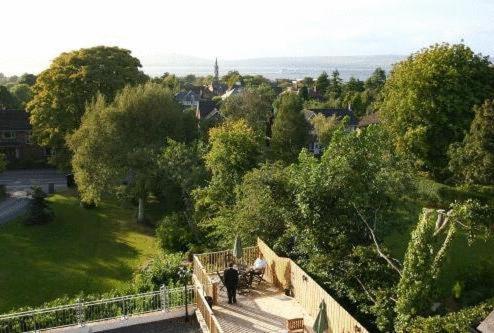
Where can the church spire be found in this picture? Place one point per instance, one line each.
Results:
(216, 70)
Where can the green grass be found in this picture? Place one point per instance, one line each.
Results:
(93, 251)
(462, 259)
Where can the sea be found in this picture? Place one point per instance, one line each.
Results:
(360, 67)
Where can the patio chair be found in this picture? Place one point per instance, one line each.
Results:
(295, 325)
(258, 276)
(244, 283)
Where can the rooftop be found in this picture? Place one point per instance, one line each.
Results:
(14, 120)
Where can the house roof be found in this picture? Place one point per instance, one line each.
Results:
(231, 92)
(330, 112)
(206, 109)
(14, 120)
(368, 119)
(187, 96)
(487, 326)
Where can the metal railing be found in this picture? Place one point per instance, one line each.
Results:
(81, 313)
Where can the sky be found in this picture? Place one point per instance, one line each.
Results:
(36, 31)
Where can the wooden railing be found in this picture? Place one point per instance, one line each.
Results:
(217, 261)
(285, 273)
(206, 312)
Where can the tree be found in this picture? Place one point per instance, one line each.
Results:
(290, 131)
(119, 142)
(427, 250)
(7, 100)
(254, 105)
(472, 161)
(29, 79)
(39, 211)
(428, 99)
(303, 93)
(23, 94)
(335, 84)
(377, 80)
(74, 79)
(232, 78)
(324, 127)
(235, 149)
(322, 83)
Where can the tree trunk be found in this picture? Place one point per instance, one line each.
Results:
(140, 211)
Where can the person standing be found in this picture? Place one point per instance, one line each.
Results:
(231, 283)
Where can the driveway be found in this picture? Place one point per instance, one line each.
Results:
(18, 184)
(22, 180)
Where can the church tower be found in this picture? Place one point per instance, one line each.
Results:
(216, 71)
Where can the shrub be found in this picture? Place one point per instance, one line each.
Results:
(162, 270)
(39, 211)
(173, 234)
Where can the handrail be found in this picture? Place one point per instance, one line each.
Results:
(81, 313)
(207, 313)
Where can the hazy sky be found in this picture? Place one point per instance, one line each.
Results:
(35, 31)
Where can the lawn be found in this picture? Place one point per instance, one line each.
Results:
(82, 250)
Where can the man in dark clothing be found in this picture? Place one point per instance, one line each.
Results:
(231, 283)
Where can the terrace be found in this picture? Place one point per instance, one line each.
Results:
(265, 308)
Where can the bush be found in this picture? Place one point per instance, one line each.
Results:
(455, 322)
(39, 211)
(162, 270)
(173, 234)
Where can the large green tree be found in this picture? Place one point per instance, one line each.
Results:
(290, 131)
(7, 100)
(22, 93)
(74, 79)
(119, 142)
(428, 99)
(472, 160)
(254, 105)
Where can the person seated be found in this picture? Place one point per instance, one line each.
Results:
(259, 265)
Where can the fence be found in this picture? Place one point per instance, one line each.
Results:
(207, 312)
(218, 261)
(86, 312)
(287, 274)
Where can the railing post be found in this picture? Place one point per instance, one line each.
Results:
(163, 297)
(215, 293)
(79, 312)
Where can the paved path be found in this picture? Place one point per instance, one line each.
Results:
(19, 183)
(24, 179)
(13, 206)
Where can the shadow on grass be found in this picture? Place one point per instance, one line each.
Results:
(92, 250)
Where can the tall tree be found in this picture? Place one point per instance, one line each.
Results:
(254, 105)
(290, 131)
(121, 140)
(7, 100)
(322, 83)
(235, 149)
(29, 79)
(62, 91)
(22, 93)
(428, 99)
(335, 84)
(472, 160)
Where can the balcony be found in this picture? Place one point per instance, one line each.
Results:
(265, 308)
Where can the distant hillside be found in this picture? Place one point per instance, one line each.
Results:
(273, 68)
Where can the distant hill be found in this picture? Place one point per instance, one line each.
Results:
(273, 68)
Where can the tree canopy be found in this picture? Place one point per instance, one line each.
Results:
(428, 99)
(74, 79)
(290, 131)
(119, 142)
(472, 161)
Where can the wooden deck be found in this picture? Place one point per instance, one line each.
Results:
(264, 309)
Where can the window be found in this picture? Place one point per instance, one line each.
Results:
(28, 138)
(8, 135)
